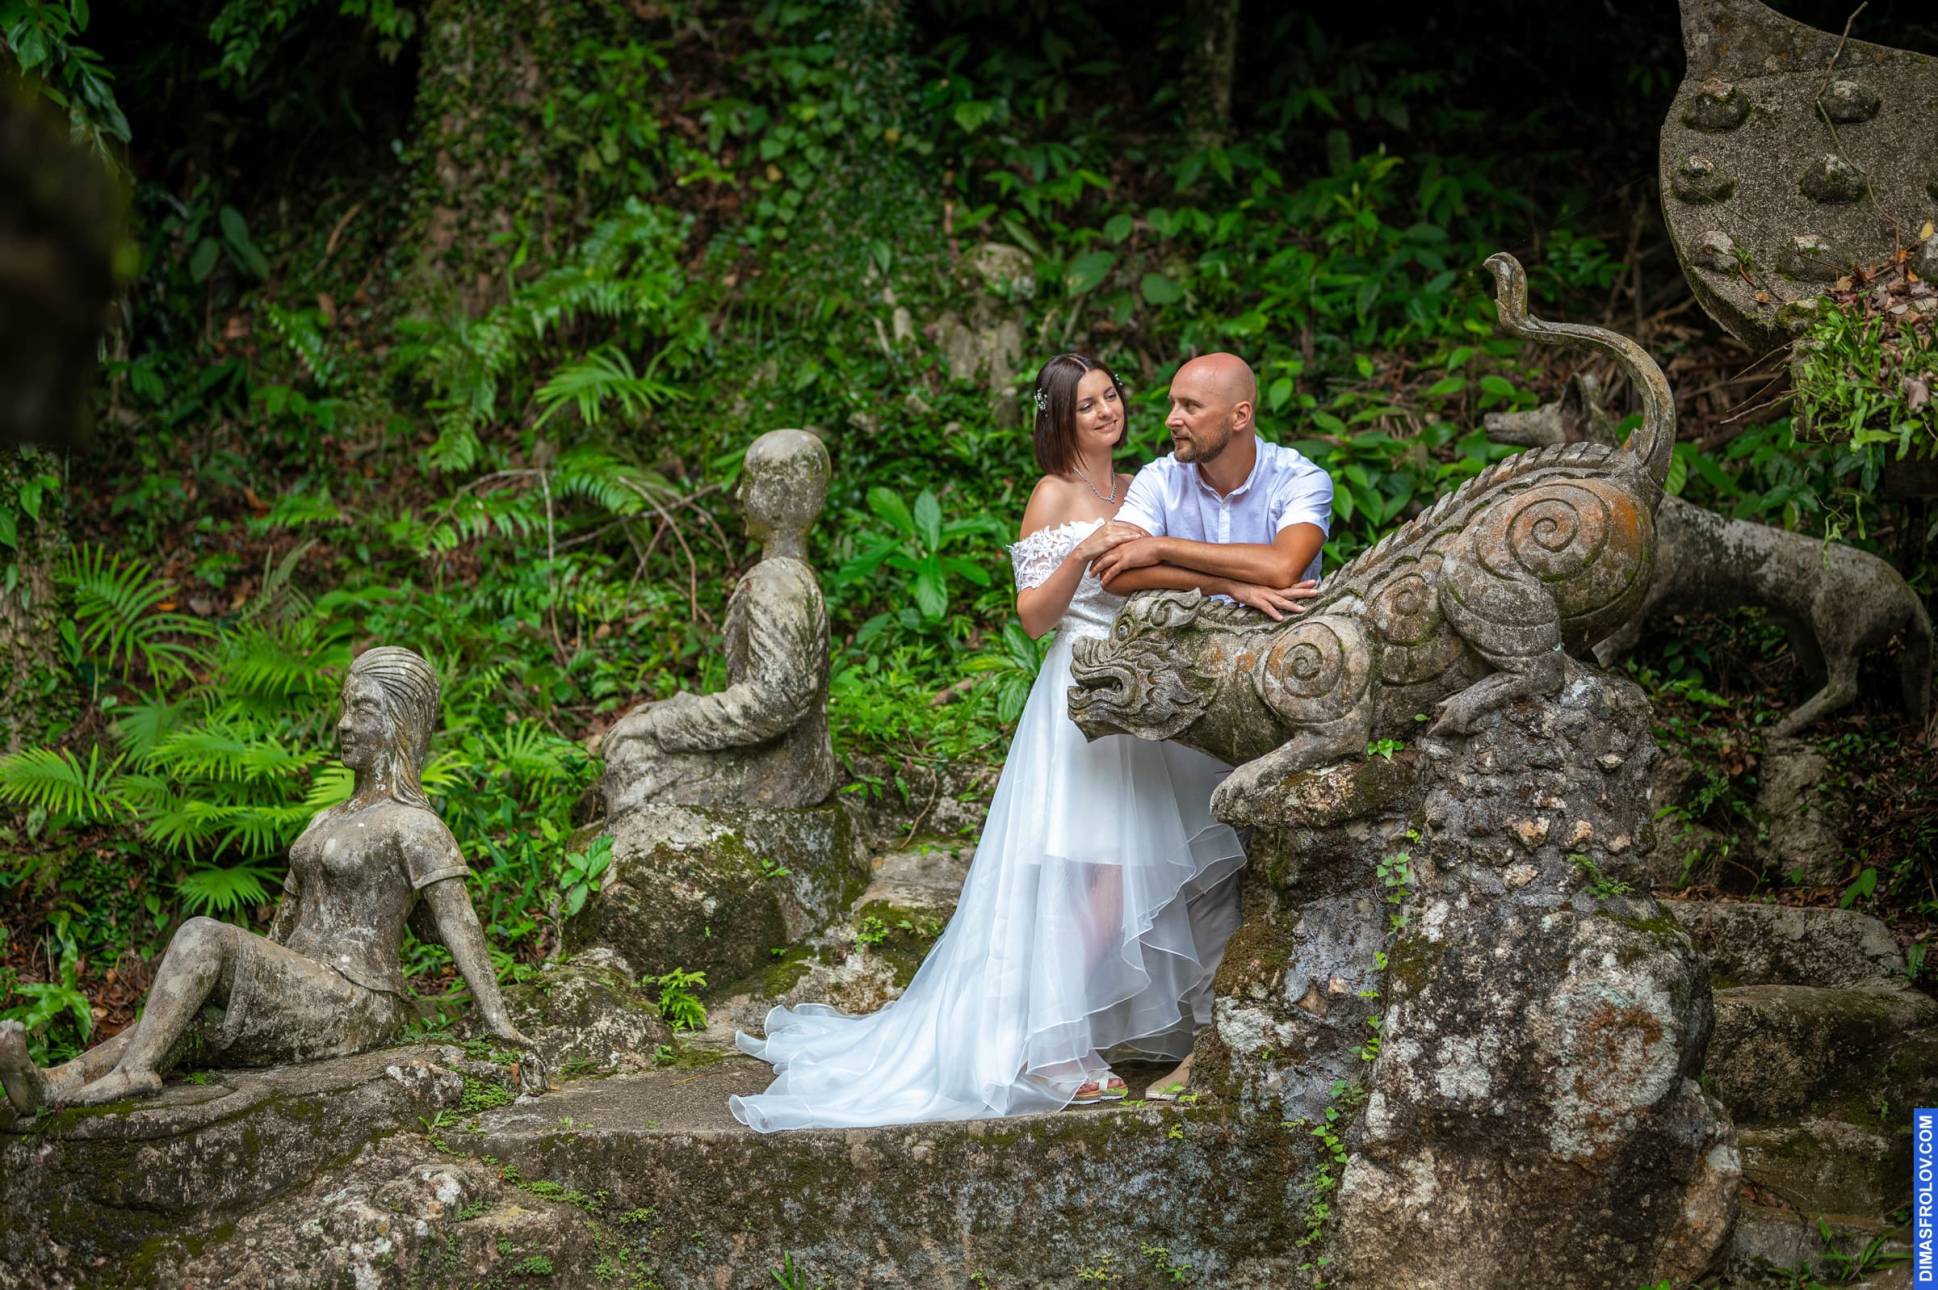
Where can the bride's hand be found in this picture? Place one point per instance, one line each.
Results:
(1109, 534)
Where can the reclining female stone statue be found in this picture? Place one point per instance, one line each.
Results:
(326, 981)
(762, 741)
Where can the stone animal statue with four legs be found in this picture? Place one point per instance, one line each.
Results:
(1474, 603)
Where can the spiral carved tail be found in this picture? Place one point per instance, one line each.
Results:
(1654, 440)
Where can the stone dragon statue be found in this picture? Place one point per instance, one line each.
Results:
(1477, 601)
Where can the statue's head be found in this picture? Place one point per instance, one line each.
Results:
(1145, 678)
(390, 708)
(783, 482)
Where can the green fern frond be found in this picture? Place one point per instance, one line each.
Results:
(224, 891)
(140, 727)
(333, 784)
(181, 826)
(201, 752)
(603, 376)
(118, 605)
(56, 781)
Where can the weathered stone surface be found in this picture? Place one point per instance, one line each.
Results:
(1699, 182)
(588, 1012)
(1770, 1240)
(1802, 819)
(1810, 257)
(1031, 1200)
(1748, 943)
(1716, 106)
(1758, 105)
(400, 1213)
(987, 343)
(1531, 1043)
(1465, 607)
(762, 741)
(1535, 1059)
(95, 1183)
(1716, 251)
(1781, 1052)
(1831, 180)
(703, 888)
(1829, 1166)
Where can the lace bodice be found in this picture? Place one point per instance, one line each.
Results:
(1036, 557)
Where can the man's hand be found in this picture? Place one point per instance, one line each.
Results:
(1275, 603)
(1134, 554)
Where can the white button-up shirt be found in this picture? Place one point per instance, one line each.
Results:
(1169, 498)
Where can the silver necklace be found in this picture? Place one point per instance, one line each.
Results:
(1093, 488)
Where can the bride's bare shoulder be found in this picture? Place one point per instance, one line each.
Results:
(1052, 502)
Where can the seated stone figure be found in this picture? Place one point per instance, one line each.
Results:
(326, 981)
(762, 741)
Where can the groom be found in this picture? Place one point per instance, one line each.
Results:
(1228, 514)
(1225, 507)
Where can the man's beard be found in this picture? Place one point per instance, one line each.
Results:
(1203, 450)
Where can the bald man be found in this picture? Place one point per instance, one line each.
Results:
(1229, 515)
(1226, 513)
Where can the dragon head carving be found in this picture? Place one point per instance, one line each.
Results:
(1148, 677)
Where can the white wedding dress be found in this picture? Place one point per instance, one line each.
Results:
(1092, 918)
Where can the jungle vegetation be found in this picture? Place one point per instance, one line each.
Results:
(446, 322)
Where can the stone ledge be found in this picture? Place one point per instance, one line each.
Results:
(93, 1183)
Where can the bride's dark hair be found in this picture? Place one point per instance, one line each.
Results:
(1056, 410)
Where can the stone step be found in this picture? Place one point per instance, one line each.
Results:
(1827, 1166)
(647, 1180)
(1755, 943)
(1771, 1242)
(1783, 1053)
(93, 1184)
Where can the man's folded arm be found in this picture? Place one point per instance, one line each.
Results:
(1279, 563)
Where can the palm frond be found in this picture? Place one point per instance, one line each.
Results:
(122, 611)
(224, 891)
(56, 781)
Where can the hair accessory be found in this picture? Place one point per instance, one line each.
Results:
(1042, 400)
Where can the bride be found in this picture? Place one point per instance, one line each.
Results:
(1102, 891)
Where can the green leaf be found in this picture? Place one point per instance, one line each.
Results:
(928, 520)
(1445, 386)
(1498, 386)
(1087, 270)
(889, 507)
(202, 262)
(1160, 290)
(973, 114)
(224, 891)
(1119, 227)
(931, 597)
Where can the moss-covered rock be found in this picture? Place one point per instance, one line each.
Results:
(96, 1183)
(1781, 1052)
(588, 1014)
(1749, 943)
(713, 890)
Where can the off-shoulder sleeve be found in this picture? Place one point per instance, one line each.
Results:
(1035, 557)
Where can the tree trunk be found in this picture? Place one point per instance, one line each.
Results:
(29, 609)
(1211, 63)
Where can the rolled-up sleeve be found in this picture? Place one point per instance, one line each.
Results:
(1302, 495)
(1144, 502)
